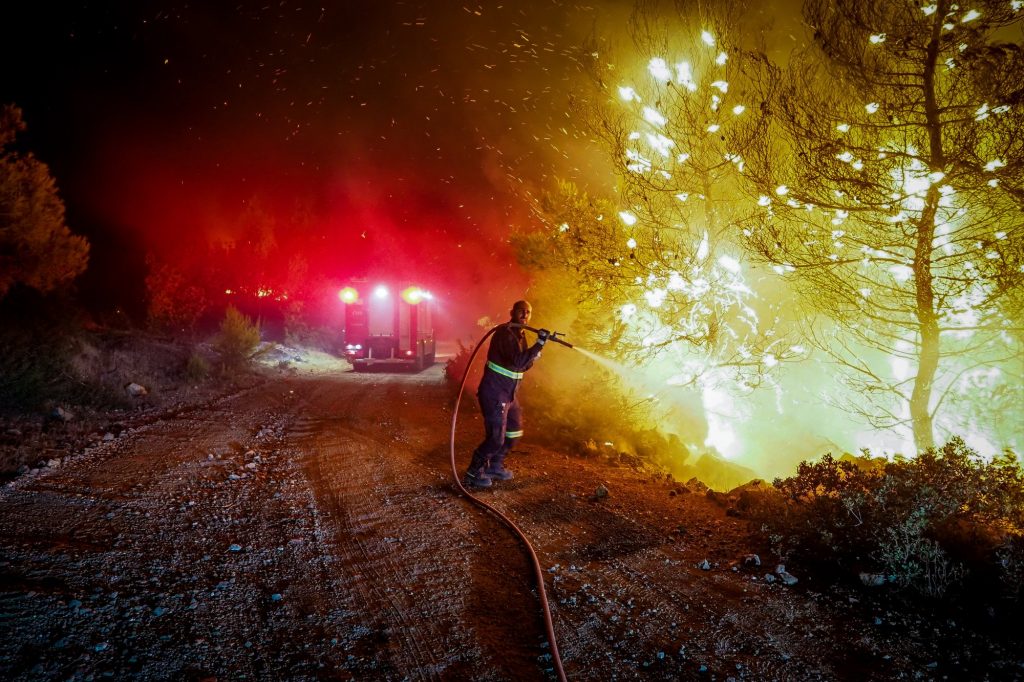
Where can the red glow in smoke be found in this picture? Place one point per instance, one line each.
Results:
(276, 224)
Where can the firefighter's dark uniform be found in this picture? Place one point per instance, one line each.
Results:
(508, 357)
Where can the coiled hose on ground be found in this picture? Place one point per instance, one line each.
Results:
(538, 572)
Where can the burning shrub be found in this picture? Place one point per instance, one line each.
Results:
(570, 411)
(238, 338)
(946, 519)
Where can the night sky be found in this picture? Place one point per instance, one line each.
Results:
(401, 127)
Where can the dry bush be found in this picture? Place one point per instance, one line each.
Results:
(113, 359)
(456, 367)
(40, 337)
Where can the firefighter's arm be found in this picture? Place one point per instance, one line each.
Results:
(515, 359)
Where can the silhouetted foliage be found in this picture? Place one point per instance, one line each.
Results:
(456, 366)
(36, 248)
(947, 519)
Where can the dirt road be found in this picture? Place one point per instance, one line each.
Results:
(307, 529)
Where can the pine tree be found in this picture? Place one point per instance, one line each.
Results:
(36, 247)
(892, 190)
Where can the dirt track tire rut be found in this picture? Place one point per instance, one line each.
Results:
(410, 550)
(299, 530)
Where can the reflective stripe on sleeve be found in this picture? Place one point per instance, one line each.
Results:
(494, 367)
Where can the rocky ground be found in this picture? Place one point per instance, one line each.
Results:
(303, 524)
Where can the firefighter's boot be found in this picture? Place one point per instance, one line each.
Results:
(476, 478)
(496, 468)
(476, 475)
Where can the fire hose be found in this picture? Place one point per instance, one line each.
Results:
(539, 574)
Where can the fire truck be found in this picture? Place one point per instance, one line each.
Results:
(387, 327)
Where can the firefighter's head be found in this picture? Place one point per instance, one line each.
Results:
(521, 311)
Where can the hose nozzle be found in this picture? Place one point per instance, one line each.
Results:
(552, 336)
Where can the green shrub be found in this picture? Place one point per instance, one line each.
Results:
(822, 513)
(931, 524)
(196, 368)
(238, 339)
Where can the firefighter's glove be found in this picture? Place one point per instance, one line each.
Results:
(542, 336)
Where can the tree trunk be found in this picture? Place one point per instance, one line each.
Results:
(920, 399)
(928, 323)
(928, 326)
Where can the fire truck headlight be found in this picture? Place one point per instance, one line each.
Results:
(413, 295)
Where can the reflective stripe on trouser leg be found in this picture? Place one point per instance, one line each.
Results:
(495, 413)
(513, 431)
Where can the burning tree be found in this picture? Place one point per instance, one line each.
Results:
(662, 259)
(662, 251)
(892, 196)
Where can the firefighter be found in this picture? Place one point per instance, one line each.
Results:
(508, 357)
